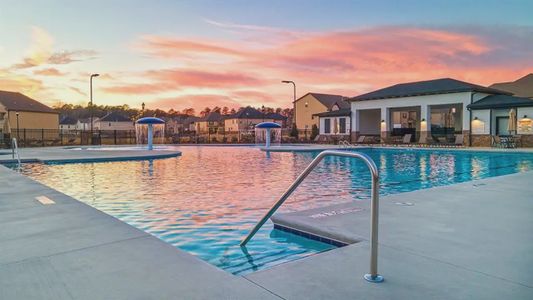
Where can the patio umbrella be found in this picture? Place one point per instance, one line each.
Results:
(511, 127)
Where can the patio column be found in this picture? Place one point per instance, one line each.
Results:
(355, 125)
(425, 122)
(385, 122)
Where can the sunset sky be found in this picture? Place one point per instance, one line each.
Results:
(178, 54)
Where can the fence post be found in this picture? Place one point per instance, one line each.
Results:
(115, 136)
(24, 137)
(42, 136)
(61, 136)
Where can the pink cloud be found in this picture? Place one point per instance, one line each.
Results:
(350, 62)
(49, 72)
(167, 47)
(198, 102)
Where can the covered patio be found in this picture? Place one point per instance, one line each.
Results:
(424, 123)
(502, 121)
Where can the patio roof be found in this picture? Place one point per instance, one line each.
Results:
(335, 113)
(501, 101)
(429, 87)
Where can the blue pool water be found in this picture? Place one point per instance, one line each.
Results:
(205, 201)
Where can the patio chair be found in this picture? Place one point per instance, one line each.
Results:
(361, 139)
(407, 139)
(496, 141)
(424, 141)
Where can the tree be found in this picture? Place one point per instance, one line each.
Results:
(188, 111)
(205, 112)
(225, 110)
(314, 132)
(294, 131)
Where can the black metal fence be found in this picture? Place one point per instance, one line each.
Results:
(58, 137)
(69, 137)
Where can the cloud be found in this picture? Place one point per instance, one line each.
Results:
(247, 70)
(77, 90)
(166, 47)
(49, 72)
(66, 57)
(176, 79)
(10, 81)
(141, 88)
(197, 101)
(41, 52)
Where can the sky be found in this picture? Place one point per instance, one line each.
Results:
(180, 54)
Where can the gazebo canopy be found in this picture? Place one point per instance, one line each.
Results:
(150, 120)
(268, 125)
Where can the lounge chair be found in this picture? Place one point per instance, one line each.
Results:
(407, 139)
(425, 142)
(361, 139)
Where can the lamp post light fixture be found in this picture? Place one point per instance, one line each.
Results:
(294, 100)
(91, 103)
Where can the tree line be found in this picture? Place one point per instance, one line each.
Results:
(98, 111)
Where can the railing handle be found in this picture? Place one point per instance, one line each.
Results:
(373, 276)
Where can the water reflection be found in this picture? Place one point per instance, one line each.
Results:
(206, 200)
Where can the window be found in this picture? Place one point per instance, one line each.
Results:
(445, 120)
(342, 125)
(327, 125)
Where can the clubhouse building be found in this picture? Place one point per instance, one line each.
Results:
(439, 110)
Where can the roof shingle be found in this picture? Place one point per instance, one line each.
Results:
(14, 101)
(428, 87)
(501, 101)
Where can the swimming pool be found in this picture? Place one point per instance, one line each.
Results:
(205, 201)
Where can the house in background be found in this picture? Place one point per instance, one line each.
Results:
(335, 123)
(308, 106)
(439, 110)
(22, 112)
(68, 123)
(246, 119)
(213, 123)
(84, 124)
(180, 124)
(522, 87)
(114, 121)
(32, 114)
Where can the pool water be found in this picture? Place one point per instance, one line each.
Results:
(207, 200)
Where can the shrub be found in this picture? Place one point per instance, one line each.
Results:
(314, 132)
(294, 131)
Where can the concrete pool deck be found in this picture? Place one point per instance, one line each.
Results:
(471, 240)
(67, 154)
(69, 250)
(465, 241)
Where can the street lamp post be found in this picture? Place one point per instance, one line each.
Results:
(18, 135)
(293, 102)
(91, 103)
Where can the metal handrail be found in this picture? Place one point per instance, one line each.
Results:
(373, 276)
(15, 150)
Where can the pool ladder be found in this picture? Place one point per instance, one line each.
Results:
(15, 151)
(373, 276)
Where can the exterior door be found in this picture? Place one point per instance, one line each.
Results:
(502, 125)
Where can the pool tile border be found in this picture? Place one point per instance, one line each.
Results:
(311, 236)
